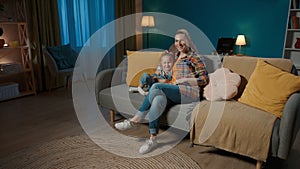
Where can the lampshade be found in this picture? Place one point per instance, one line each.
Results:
(147, 21)
(240, 40)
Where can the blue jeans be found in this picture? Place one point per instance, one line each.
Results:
(160, 95)
(147, 79)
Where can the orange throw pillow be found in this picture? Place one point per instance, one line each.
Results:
(140, 62)
(269, 88)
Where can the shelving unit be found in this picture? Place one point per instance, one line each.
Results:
(16, 71)
(292, 33)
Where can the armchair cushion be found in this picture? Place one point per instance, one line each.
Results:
(269, 88)
(64, 56)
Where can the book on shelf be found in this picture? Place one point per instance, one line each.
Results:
(295, 22)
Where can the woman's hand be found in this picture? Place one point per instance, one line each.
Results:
(181, 81)
(163, 80)
(191, 81)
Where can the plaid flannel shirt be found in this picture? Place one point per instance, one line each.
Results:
(191, 66)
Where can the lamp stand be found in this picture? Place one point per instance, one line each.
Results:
(147, 38)
(240, 48)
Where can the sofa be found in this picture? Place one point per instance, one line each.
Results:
(112, 93)
(241, 128)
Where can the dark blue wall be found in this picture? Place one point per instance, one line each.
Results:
(262, 21)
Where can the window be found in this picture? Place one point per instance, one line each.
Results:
(87, 16)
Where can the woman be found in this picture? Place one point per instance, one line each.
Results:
(189, 75)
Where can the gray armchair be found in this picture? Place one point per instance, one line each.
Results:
(55, 72)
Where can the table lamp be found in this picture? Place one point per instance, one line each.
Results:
(240, 40)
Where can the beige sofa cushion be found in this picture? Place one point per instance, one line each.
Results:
(234, 127)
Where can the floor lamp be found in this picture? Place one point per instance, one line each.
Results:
(240, 40)
(147, 22)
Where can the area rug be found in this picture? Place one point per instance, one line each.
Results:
(81, 152)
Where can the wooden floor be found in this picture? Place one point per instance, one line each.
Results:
(37, 119)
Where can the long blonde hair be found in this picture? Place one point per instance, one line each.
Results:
(189, 41)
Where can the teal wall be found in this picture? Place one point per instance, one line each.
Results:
(262, 21)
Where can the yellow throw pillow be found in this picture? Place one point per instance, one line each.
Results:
(269, 88)
(129, 52)
(140, 62)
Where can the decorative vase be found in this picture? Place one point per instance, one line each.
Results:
(297, 44)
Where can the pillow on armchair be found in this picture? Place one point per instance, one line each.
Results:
(64, 56)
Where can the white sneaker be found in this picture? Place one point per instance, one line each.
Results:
(133, 89)
(141, 91)
(148, 146)
(126, 124)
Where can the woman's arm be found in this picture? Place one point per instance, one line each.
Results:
(199, 71)
(191, 81)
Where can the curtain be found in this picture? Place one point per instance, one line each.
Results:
(81, 19)
(43, 27)
(44, 30)
(123, 8)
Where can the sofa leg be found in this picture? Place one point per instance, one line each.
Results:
(112, 116)
(259, 164)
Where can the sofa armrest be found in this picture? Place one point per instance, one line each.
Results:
(107, 78)
(289, 125)
(103, 80)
